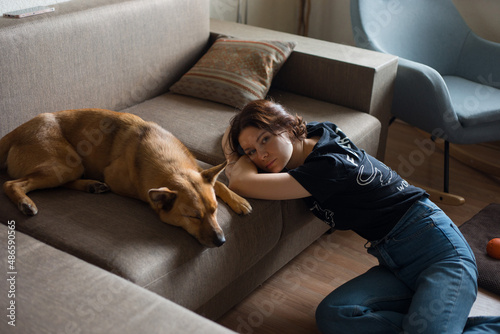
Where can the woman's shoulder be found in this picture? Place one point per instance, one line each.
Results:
(318, 129)
(314, 126)
(329, 134)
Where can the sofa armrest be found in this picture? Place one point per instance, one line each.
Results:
(348, 76)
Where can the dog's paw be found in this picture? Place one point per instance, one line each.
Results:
(29, 209)
(98, 188)
(240, 206)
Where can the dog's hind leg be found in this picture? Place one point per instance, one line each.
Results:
(42, 169)
(90, 186)
(40, 178)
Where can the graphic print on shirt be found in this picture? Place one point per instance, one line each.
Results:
(371, 173)
(324, 214)
(345, 143)
(368, 168)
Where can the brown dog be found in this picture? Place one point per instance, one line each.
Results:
(118, 152)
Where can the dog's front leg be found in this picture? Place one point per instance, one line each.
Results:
(90, 186)
(237, 203)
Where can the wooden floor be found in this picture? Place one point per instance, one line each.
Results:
(287, 301)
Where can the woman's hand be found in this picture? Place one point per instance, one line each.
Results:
(242, 168)
(231, 156)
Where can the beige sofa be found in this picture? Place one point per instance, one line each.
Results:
(124, 55)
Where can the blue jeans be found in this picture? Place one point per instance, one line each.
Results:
(426, 282)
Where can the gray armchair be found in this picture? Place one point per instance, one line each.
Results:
(448, 80)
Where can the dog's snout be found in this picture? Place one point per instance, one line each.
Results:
(219, 240)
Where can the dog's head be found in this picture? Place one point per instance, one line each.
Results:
(192, 205)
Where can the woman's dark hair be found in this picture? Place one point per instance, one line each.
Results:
(266, 115)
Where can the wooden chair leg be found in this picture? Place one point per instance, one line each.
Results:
(442, 197)
(470, 160)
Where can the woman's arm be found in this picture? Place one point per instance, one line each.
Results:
(245, 180)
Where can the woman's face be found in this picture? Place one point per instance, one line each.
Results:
(269, 152)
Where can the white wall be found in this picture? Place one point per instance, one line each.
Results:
(281, 15)
(330, 19)
(224, 9)
(482, 16)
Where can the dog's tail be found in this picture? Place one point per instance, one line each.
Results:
(5, 144)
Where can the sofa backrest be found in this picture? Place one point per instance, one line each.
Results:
(96, 53)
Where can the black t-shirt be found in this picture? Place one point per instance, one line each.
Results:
(350, 189)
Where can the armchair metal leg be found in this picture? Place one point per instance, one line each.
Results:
(446, 186)
(444, 196)
(464, 157)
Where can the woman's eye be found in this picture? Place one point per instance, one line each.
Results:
(250, 153)
(265, 140)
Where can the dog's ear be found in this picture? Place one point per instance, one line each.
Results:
(210, 175)
(162, 198)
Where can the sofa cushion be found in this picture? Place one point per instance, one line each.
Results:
(58, 293)
(235, 71)
(200, 124)
(126, 237)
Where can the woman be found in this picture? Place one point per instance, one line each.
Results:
(426, 278)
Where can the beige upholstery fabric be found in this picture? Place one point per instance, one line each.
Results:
(109, 60)
(203, 137)
(58, 293)
(126, 237)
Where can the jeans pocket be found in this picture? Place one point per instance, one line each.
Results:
(413, 231)
(418, 245)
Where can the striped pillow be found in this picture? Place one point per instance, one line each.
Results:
(235, 71)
